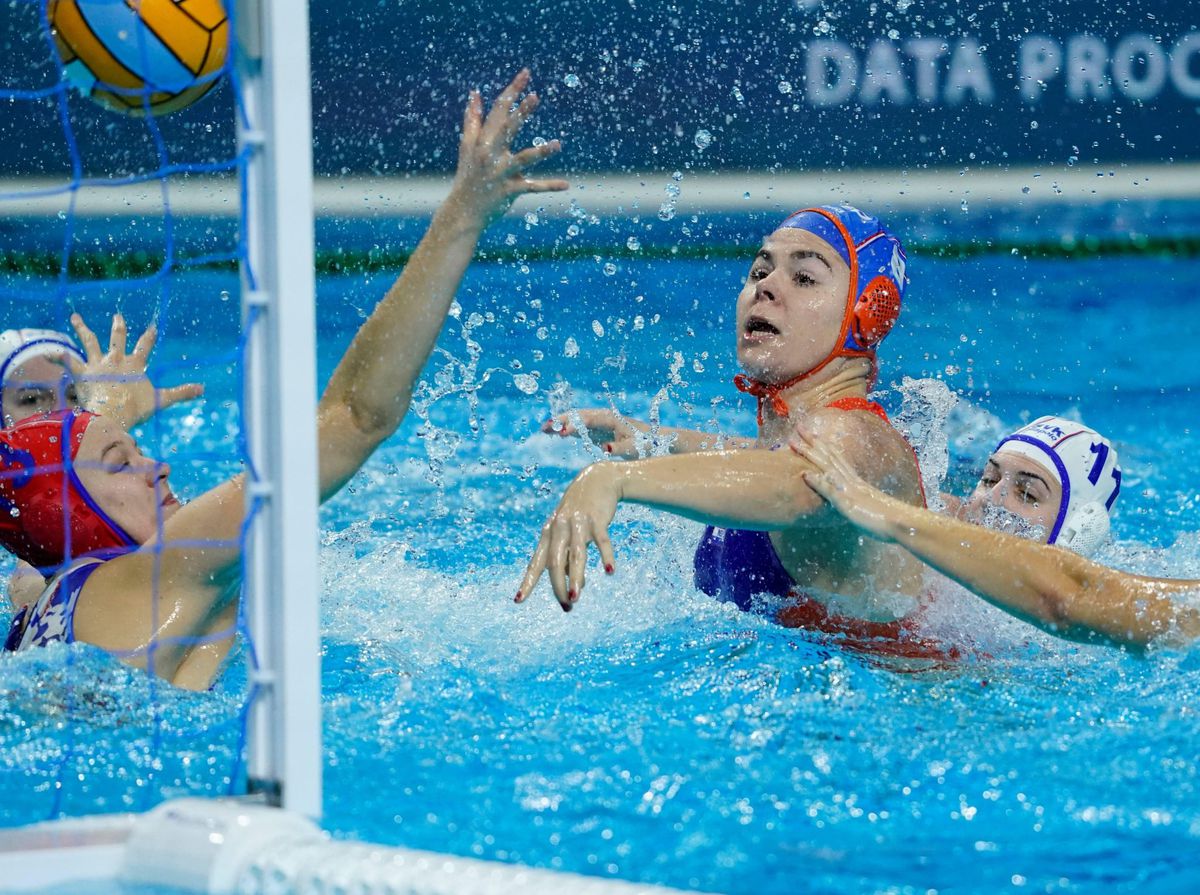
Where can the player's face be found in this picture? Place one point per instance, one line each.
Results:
(1016, 484)
(791, 309)
(129, 486)
(39, 385)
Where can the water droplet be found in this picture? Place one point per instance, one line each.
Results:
(737, 94)
(572, 80)
(573, 230)
(703, 139)
(666, 211)
(784, 87)
(598, 329)
(224, 295)
(531, 218)
(525, 383)
(1033, 125)
(610, 269)
(633, 244)
(1025, 190)
(14, 512)
(570, 347)
(539, 141)
(637, 64)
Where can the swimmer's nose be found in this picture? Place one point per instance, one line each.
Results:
(155, 471)
(763, 292)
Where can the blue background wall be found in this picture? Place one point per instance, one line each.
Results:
(632, 83)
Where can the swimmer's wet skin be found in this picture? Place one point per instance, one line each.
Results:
(822, 292)
(1053, 588)
(172, 610)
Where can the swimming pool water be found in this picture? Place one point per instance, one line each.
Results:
(654, 734)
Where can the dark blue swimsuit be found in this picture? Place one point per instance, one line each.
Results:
(734, 564)
(51, 618)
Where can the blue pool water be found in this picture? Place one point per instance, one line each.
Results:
(654, 734)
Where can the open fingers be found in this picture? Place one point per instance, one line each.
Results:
(75, 365)
(536, 566)
(524, 185)
(517, 117)
(502, 108)
(145, 344)
(472, 119)
(175, 394)
(577, 559)
(556, 561)
(87, 338)
(533, 154)
(119, 336)
(607, 556)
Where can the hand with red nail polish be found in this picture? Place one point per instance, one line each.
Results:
(582, 518)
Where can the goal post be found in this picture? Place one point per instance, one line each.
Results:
(282, 611)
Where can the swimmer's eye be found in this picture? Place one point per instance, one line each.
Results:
(757, 273)
(803, 279)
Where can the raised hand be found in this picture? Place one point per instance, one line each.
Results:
(114, 384)
(490, 175)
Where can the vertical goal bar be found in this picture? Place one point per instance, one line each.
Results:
(282, 598)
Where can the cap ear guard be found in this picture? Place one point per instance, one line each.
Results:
(1086, 530)
(874, 314)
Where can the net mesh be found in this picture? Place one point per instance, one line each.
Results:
(88, 226)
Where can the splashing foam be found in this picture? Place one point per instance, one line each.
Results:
(922, 420)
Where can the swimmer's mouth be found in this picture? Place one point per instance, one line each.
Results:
(170, 501)
(758, 325)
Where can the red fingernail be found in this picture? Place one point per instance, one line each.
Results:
(608, 568)
(608, 449)
(518, 599)
(572, 596)
(566, 607)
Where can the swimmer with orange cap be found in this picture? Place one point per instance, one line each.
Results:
(155, 582)
(822, 292)
(1022, 539)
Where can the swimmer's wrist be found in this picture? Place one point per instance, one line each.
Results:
(614, 477)
(898, 522)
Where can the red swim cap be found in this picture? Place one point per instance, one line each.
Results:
(46, 514)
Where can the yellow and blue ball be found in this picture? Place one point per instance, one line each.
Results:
(141, 56)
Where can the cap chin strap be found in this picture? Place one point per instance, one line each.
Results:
(772, 393)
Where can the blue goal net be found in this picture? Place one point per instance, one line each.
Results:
(142, 215)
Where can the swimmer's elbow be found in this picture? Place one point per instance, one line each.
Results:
(371, 424)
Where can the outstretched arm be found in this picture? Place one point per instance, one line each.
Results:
(627, 438)
(1052, 588)
(371, 388)
(190, 580)
(755, 489)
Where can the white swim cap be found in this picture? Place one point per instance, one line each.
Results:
(1085, 464)
(20, 345)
